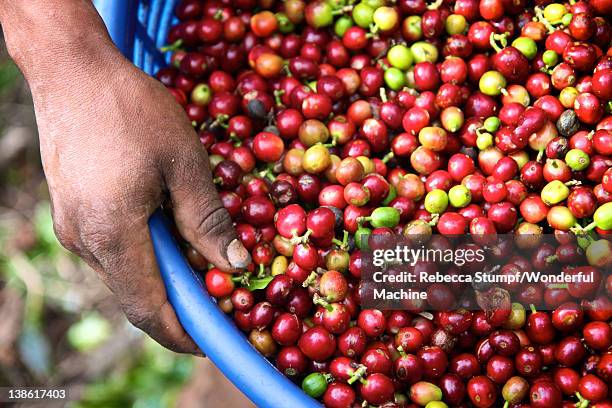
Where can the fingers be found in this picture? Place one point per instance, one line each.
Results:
(199, 214)
(122, 254)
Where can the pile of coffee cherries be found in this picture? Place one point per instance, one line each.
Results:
(333, 121)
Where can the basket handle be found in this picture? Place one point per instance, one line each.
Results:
(215, 333)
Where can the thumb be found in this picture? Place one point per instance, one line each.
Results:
(200, 217)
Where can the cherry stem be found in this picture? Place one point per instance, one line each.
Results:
(434, 220)
(582, 402)
(540, 155)
(388, 157)
(401, 351)
(267, 173)
(277, 96)
(540, 17)
(312, 278)
(573, 183)
(551, 258)
(558, 286)
(357, 374)
(262, 271)
(533, 308)
(383, 95)
(172, 47)
(318, 300)
(301, 239)
(218, 14)
(506, 404)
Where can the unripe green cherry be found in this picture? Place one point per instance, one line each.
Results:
(560, 217)
(201, 95)
(395, 78)
(320, 15)
(492, 83)
(599, 253)
(436, 201)
(363, 15)
(374, 3)
(459, 196)
(567, 19)
(603, 217)
(526, 46)
(577, 160)
(285, 25)
(491, 124)
(452, 118)
(550, 58)
(424, 52)
(517, 317)
(436, 404)
(554, 12)
(384, 217)
(342, 24)
(455, 24)
(400, 57)
(423, 392)
(554, 192)
(362, 235)
(385, 18)
(314, 384)
(412, 27)
(484, 141)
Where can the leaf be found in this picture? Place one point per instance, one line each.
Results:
(257, 284)
(89, 332)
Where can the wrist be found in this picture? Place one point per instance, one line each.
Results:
(60, 34)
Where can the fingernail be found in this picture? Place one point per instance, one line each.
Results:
(237, 255)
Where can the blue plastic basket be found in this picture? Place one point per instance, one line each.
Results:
(139, 29)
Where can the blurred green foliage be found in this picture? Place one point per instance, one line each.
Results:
(8, 74)
(153, 381)
(151, 377)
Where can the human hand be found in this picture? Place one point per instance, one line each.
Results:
(114, 143)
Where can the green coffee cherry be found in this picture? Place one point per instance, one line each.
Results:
(423, 392)
(395, 79)
(455, 24)
(491, 124)
(436, 404)
(577, 160)
(554, 192)
(342, 24)
(400, 57)
(554, 12)
(484, 141)
(567, 19)
(314, 384)
(384, 217)
(363, 14)
(526, 46)
(436, 201)
(550, 58)
(423, 51)
(459, 196)
(603, 217)
(492, 83)
(361, 237)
